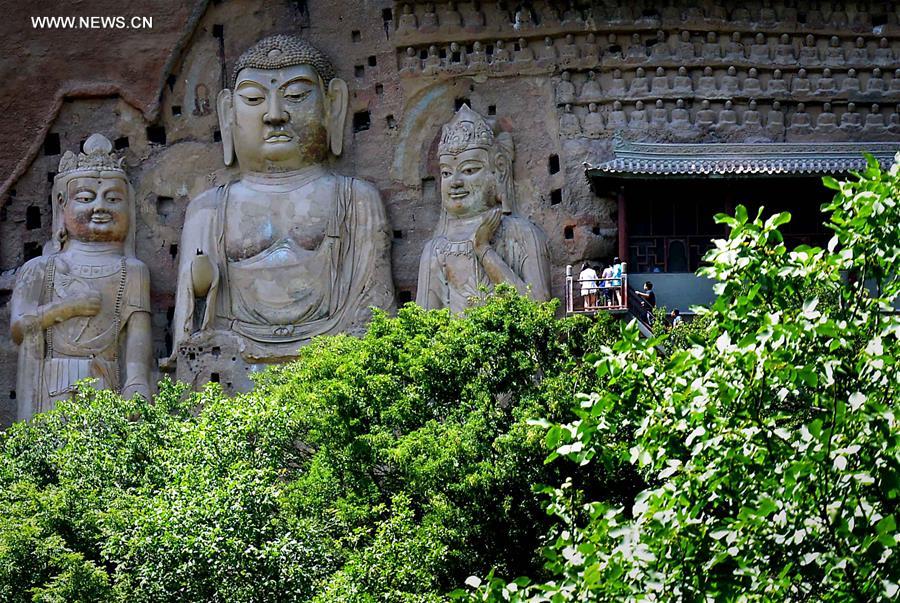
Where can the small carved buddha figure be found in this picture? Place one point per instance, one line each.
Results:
(714, 11)
(639, 84)
(775, 122)
(568, 54)
(407, 23)
(289, 250)
(751, 85)
(671, 13)
(752, 119)
(684, 48)
(692, 14)
(706, 85)
(617, 86)
(850, 85)
(784, 50)
(800, 85)
(706, 117)
(480, 240)
(660, 83)
(571, 16)
(884, 55)
(874, 120)
(660, 50)
(524, 54)
(894, 121)
(477, 58)
(727, 121)
(429, 21)
(659, 117)
(834, 54)
(591, 91)
(859, 54)
(734, 49)
(788, 12)
(838, 17)
(83, 308)
(590, 50)
(411, 63)
(809, 52)
(523, 20)
(617, 119)
(711, 48)
(862, 20)
(449, 18)
(637, 52)
(826, 122)
(851, 121)
(432, 61)
(875, 86)
(613, 50)
(473, 18)
(740, 14)
(759, 50)
(730, 83)
(814, 16)
(895, 82)
(593, 126)
(801, 124)
(618, 12)
(777, 87)
(638, 118)
(547, 54)
(682, 82)
(549, 15)
(456, 58)
(501, 57)
(565, 89)
(767, 15)
(681, 118)
(826, 85)
(569, 125)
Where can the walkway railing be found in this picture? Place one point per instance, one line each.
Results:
(596, 295)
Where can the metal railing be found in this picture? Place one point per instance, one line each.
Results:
(589, 296)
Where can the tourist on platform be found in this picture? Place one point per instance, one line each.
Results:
(616, 284)
(648, 301)
(606, 284)
(675, 317)
(588, 279)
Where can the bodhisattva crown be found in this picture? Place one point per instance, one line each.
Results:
(467, 130)
(97, 157)
(280, 51)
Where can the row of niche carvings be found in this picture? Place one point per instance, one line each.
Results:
(683, 48)
(726, 119)
(728, 83)
(452, 17)
(554, 54)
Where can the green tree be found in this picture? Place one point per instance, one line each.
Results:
(769, 440)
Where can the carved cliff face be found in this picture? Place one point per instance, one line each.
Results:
(279, 119)
(96, 209)
(468, 183)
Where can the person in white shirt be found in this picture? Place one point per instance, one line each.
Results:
(605, 284)
(588, 279)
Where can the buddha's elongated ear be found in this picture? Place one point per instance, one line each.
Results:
(336, 101)
(225, 107)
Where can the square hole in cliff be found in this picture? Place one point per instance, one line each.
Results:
(556, 196)
(569, 232)
(553, 164)
(51, 144)
(361, 121)
(156, 135)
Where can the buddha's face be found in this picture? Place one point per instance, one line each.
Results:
(468, 183)
(279, 118)
(96, 209)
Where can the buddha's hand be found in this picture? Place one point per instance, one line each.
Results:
(87, 304)
(203, 272)
(486, 230)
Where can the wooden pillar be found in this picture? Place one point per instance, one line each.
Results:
(622, 227)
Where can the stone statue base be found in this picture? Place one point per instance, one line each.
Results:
(215, 356)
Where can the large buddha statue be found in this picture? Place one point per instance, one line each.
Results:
(480, 241)
(82, 309)
(289, 250)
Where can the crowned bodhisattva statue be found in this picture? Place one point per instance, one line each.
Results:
(82, 309)
(480, 241)
(290, 250)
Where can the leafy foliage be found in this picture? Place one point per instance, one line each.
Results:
(769, 440)
(382, 468)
